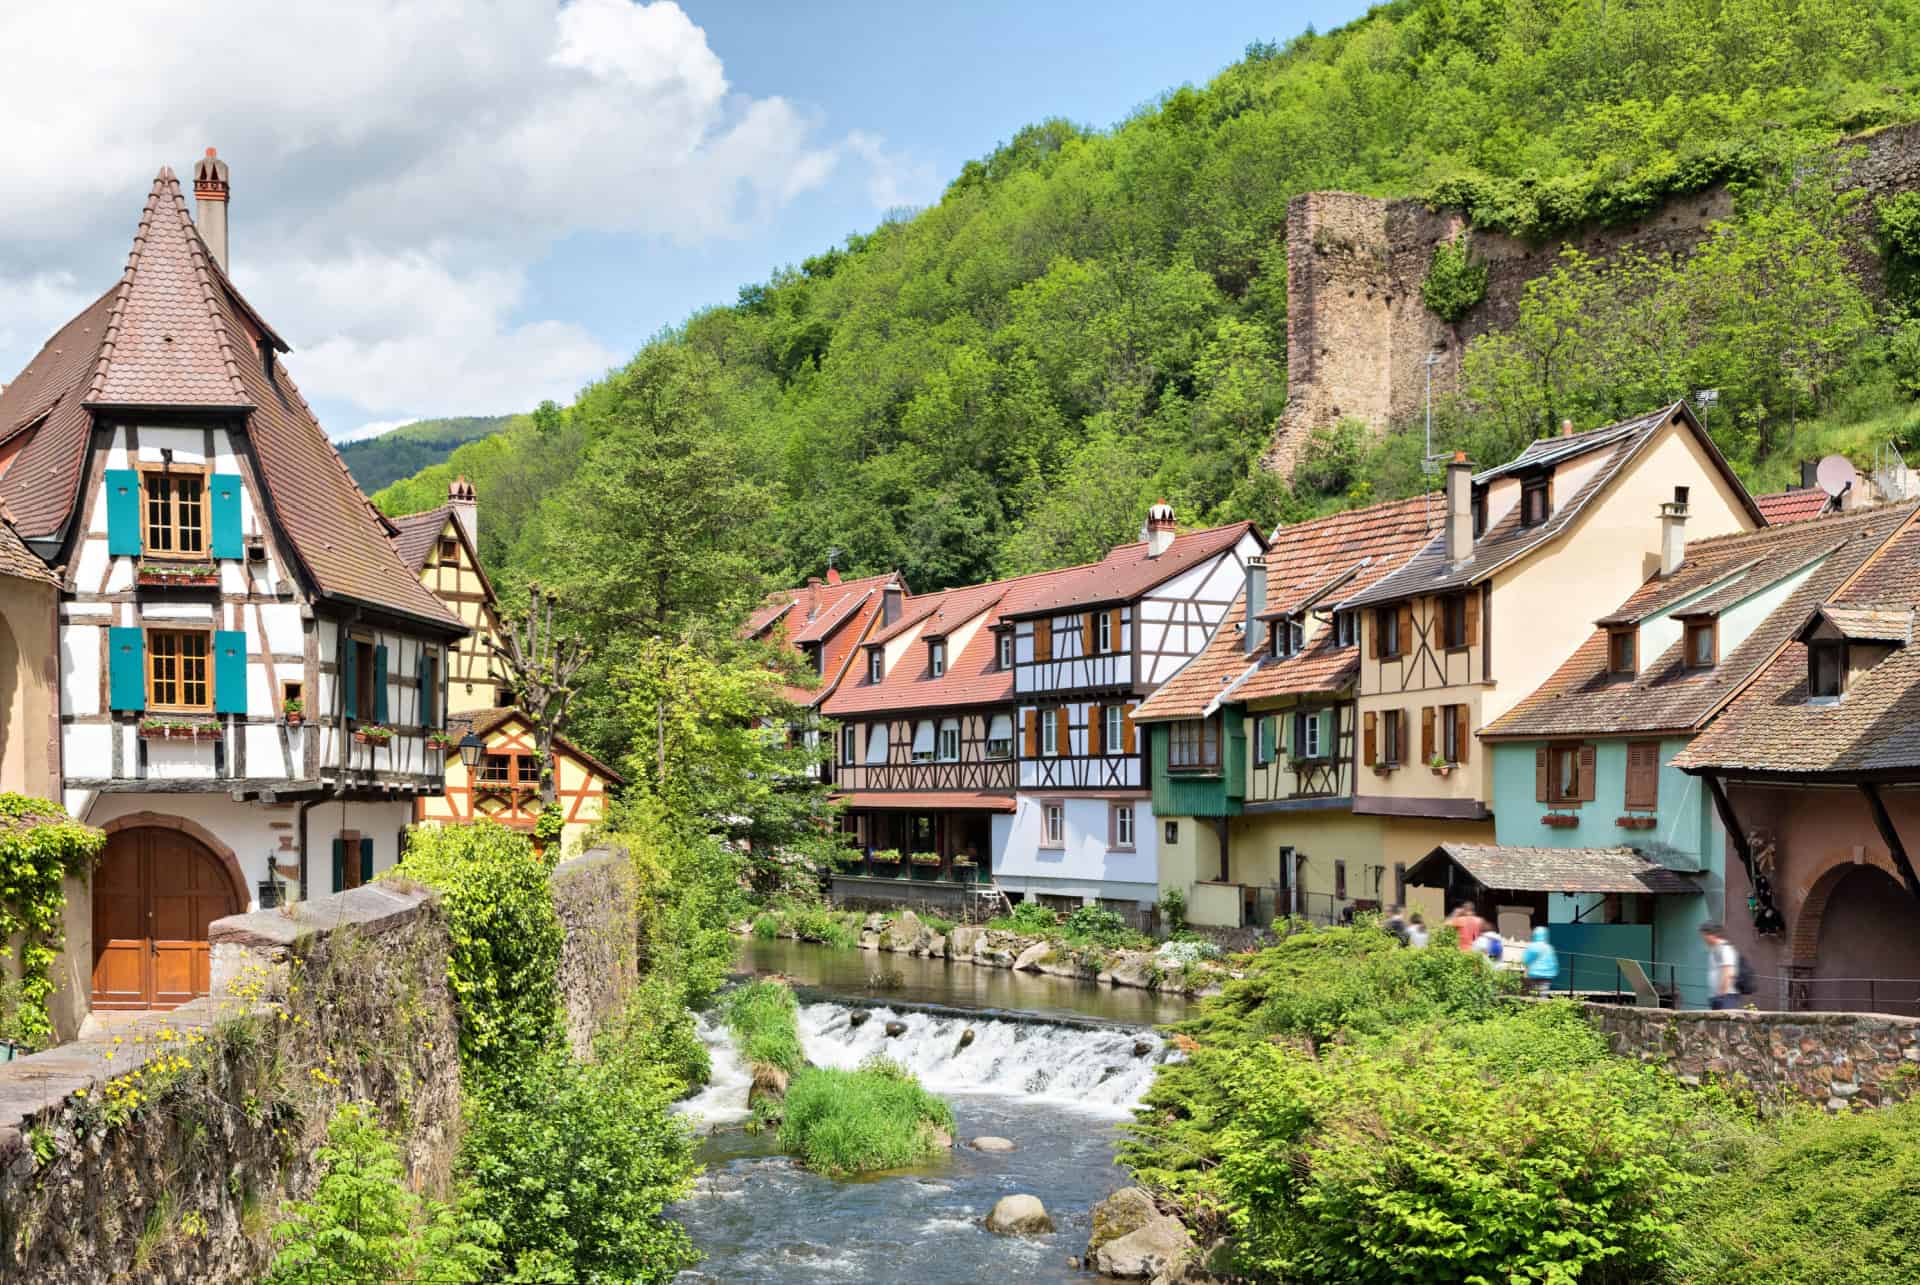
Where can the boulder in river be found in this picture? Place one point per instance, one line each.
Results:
(987, 1142)
(905, 934)
(1158, 1247)
(858, 1018)
(1133, 970)
(769, 1086)
(1029, 961)
(1141, 1048)
(870, 941)
(966, 1038)
(936, 947)
(896, 1029)
(962, 940)
(1126, 1210)
(1019, 1215)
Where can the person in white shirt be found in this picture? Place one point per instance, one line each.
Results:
(1723, 968)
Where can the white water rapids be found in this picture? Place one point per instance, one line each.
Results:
(1090, 1068)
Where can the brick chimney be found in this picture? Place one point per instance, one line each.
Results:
(1159, 528)
(210, 205)
(466, 507)
(1673, 532)
(1459, 531)
(813, 597)
(1566, 428)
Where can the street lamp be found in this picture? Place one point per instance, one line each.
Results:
(471, 748)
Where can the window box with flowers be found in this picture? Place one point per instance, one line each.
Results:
(372, 734)
(1561, 820)
(178, 729)
(294, 711)
(1631, 822)
(441, 741)
(926, 858)
(885, 856)
(178, 575)
(1441, 766)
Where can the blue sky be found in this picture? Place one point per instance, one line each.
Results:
(495, 200)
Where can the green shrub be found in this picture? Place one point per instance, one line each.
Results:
(40, 846)
(1098, 926)
(764, 1019)
(505, 956)
(1456, 282)
(688, 883)
(819, 924)
(656, 1026)
(766, 927)
(937, 924)
(364, 1223)
(1028, 917)
(1815, 1200)
(578, 1163)
(878, 1117)
(1173, 910)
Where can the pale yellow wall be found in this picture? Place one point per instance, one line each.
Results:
(457, 583)
(29, 677)
(1282, 778)
(1428, 676)
(1196, 851)
(579, 789)
(1215, 905)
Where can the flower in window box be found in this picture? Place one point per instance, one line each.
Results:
(887, 856)
(183, 729)
(441, 741)
(372, 734)
(177, 573)
(964, 863)
(926, 858)
(295, 711)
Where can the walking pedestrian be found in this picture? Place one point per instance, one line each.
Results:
(1541, 962)
(1723, 967)
(1467, 926)
(1396, 923)
(1416, 931)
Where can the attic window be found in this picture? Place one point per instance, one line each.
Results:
(1004, 646)
(876, 665)
(1289, 635)
(1623, 652)
(936, 658)
(1479, 514)
(1703, 644)
(450, 548)
(1534, 507)
(1826, 670)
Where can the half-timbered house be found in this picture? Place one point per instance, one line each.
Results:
(248, 673)
(1087, 644)
(442, 547)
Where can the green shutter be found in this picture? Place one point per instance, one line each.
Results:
(127, 668)
(429, 706)
(339, 866)
(1286, 735)
(1272, 736)
(229, 671)
(366, 860)
(123, 513)
(226, 516)
(380, 683)
(350, 649)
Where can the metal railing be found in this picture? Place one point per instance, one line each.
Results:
(1603, 978)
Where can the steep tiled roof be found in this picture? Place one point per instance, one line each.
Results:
(1792, 506)
(815, 613)
(1507, 540)
(1583, 698)
(47, 403)
(1871, 624)
(1874, 728)
(18, 561)
(415, 534)
(1127, 572)
(1556, 869)
(973, 677)
(1309, 565)
(485, 722)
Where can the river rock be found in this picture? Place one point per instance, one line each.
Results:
(1141, 1048)
(769, 1085)
(896, 1029)
(936, 947)
(1133, 970)
(993, 956)
(939, 1137)
(905, 933)
(869, 941)
(875, 922)
(1160, 1246)
(1020, 1215)
(858, 1018)
(966, 1038)
(963, 939)
(987, 1142)
(1029, 960)
(1126, 1210)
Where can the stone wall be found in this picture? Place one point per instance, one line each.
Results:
(1358, 335)
(1834, 1059)
(594, 894)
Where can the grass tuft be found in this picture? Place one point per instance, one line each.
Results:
(878, 1117)
(764, 1017)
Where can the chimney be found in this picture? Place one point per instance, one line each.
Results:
(1566, 428)
(1253, 634)
(1159, 528)
(892, 599)
(1459, 530)
(210, 205)
(1673, 532)
(813, 597)
(833, 574)
(466, 508)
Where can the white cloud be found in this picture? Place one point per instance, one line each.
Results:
(894, 179)
(398, 169)
(375, 428)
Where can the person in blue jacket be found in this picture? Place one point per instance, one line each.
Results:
(1541, 963)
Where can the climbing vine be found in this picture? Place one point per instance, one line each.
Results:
(1456, 281)
(40, 845)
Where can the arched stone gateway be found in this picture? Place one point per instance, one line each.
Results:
(1865, 954)
(155, 892)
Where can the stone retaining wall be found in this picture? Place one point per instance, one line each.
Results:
(1834, 1059)
(594, 895)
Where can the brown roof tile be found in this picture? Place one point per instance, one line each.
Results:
(1871, 624)
(835, 615)
(1517, 869)
(18, 561)
(1126, 572)
(415, 535)
(1792, 506)
(47, 404)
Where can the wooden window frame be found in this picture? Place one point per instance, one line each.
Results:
(450, 550)
(1049, 808)
(1382, 618)
(1103, 639)
(937, 658)
(1205, 744)
(1346, 629)
(1050, 731)
(1116, 841)
(292, 689)
(1630, 639)
(485, 779)
(849, 742)
(1447, 734)
(1479, 512)
(1454, 634)
(1113, 728)
(366, 690)
(1648, 801)
(1584, 757)
(152, 634)
(1836, 649)
(1393, 737)
(167, 473)
(1530, 488)
(1710, 626)
(876, 665)
(1003, 652)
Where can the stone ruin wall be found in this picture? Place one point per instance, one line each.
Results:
(1358, 334)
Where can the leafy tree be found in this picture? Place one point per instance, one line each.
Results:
(540, 667)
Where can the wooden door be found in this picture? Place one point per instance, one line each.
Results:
(162, 889)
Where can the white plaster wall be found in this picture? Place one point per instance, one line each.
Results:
(187, 444)
(200, 613)
(87, 750)
(79, 671)
(265, 755)
(178, 761)
(286, 632)
(1085, 860)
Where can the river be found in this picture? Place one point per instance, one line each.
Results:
(1054, 1065)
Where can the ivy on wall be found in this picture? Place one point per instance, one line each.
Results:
(1456, 282)
(40, 846)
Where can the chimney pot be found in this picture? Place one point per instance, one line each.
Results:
(1160, 530)
(466, 507)
(210, 204)
(1566, 428)
(1459, 528)
(1673, 535)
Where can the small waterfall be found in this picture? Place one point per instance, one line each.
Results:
(724, 1099)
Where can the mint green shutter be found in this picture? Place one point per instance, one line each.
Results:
(366, 860)
(226, 516)
(1286, 736)
(429, 689)
(347, 677)
(339, 866)
(123, 513)
(229, 671)
(126, 668)
(380, 683)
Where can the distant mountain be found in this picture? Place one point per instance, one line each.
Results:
(404, 451)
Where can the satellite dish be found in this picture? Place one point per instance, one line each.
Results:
(1835, 474)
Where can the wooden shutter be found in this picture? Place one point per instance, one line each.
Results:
(224, 490)
(126, 668)
(229, 671)
(1126, 729)
(1587, 759)
(1643, 775)
(1406, 629)
(349, 686)
(1033, 733)
(1063, 731)
(1463, 732)
(123, 512)
(1113, 629)
(1043, 638)
(1472, 611)
(380, 683)
(1542, 772)
(1095, 716)
(1426, 733)
(1089, 634)
(366, 860)
(1373, 636)
(339, 865)
(1371, 754)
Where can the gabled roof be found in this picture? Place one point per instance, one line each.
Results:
(1873, 731)
(1793, 506)
(175, 334)
(1517, 869)
(1865, 624)
(1127, 572)
(19, 562)
(485, 722)
(834, 615)
(1583, 698)
(415, 534)
(1507, 540)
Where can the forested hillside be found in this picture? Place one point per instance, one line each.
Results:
(1087, 320)
(401, 452)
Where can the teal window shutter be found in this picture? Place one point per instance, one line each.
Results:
(123, 513)
(339, 865)
(380, 683)
(429, 688)
(127, 668)
(348, 679)
(226, 516)
(366, 860)
(229, 671)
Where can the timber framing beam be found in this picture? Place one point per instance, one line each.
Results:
(1884, 823)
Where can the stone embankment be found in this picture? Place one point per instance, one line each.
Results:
(907, 934)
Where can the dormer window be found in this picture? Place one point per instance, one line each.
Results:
(1004, 655)
(937, 658)
(818, 655)
(1346, 629)
(1623, 652)
(1289, 636)
(1479, 513)
(876, 665)
(1534, 506)
(1703, 644)
(1826, 670)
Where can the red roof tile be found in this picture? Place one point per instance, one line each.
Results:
(1126, 572)
(1792, 506)
(47, 403)
(833, 615)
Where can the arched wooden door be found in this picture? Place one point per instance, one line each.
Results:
(154, 894)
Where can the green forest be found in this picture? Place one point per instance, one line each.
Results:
(401, 452)
(1088, 320)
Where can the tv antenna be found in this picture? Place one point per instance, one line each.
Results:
(1429, 462)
